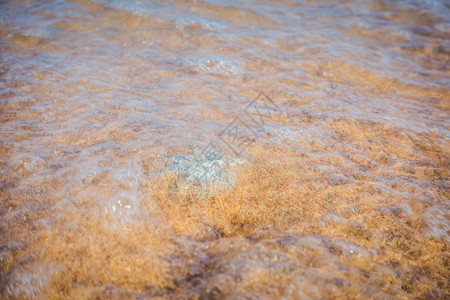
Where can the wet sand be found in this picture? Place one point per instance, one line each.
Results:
(139, 158)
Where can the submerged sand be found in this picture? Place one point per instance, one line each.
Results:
(339, 191)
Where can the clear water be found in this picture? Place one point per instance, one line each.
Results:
(336, 187)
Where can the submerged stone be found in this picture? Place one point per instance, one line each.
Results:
(196, 176)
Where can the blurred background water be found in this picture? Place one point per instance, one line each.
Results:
(343, 194)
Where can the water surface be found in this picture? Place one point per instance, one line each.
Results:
(339, 190)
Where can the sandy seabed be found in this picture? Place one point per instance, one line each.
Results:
(341, 190)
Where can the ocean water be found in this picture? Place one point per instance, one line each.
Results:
(224, 149)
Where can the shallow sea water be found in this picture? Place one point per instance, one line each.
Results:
(134, 163)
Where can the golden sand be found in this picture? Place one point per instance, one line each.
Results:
(343, 194)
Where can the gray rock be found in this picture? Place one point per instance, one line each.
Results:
(198, 176)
